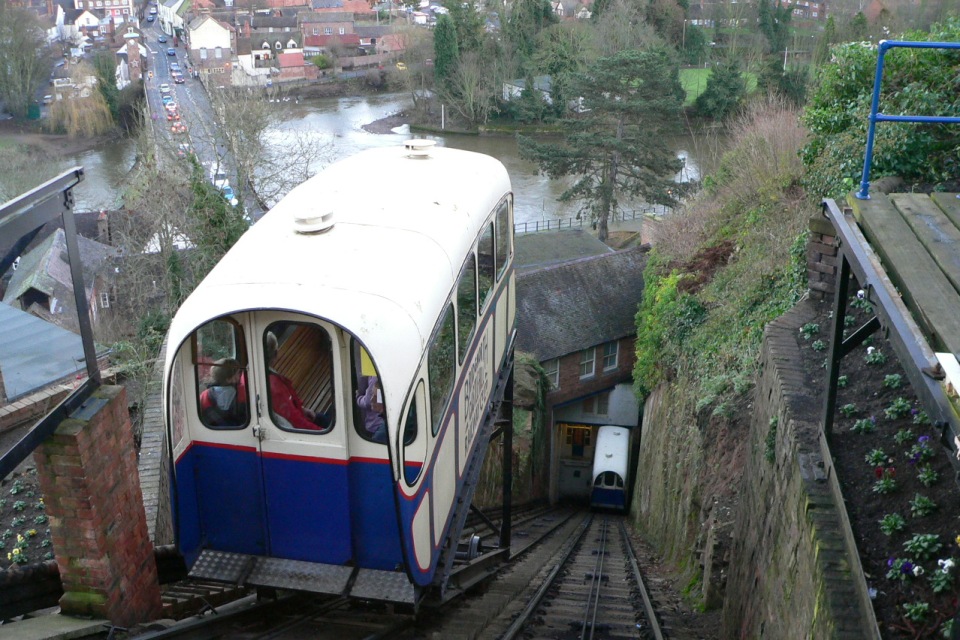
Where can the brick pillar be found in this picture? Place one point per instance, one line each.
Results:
(88, 474)
(822, 258)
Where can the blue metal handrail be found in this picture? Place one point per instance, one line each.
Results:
(884, 45)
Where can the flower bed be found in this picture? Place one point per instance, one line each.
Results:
(897, 481)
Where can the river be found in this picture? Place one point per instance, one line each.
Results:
(339, 122)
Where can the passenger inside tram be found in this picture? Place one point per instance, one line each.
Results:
(224, 402)
(370, 401)
(287, 409)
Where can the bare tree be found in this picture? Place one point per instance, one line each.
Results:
(622, 27)
(473, 87)
(417, 56)
(269, 160)
(26, 58)
(22, 168)
(83, 111)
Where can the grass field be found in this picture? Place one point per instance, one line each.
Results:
(694, 81)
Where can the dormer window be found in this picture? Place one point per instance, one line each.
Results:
(291, 44)
(277, 45)
(265, 45)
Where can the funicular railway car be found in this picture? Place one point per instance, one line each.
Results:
(611, 469)
(332, 384)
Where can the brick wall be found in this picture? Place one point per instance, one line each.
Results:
(87, 472)
(572, 387)
(792, 542)
(821, 258)
(33, 407)
(154, 464)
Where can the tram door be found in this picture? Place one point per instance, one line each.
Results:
(301, 435)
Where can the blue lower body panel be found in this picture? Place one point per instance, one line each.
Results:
(609, 499)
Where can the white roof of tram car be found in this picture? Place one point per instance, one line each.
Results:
(401, 229)
(611, 451)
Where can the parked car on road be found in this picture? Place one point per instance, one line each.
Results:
(174, 66)
(167, 99)
(164, 89)
(161, 38)
(228, 195)
(171, 51)
(151, 18)
(178, 78)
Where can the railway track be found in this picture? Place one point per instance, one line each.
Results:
(580, 580)
(571, 575)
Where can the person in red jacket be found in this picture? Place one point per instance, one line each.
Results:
(286, 407)
(224, 402)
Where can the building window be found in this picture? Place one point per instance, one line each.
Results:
(104, 300)
(552, 370)
(316, 31)
(203, 53)
(603, 403)
(218, 53)
(342, 31)
(598, 405)
(587, 361)
(610, 352)
(328, 31)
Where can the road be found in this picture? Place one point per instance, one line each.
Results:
(195, 111)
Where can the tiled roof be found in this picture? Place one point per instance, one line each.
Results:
(331, 16)
(287, 60)
(47, 269)
(567, 307)
(323, 41)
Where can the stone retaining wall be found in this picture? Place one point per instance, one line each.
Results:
(794, 568)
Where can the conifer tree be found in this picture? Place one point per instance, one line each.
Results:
(617, 148)
(446, 52)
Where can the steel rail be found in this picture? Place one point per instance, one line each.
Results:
(514, 629)
(592, 604)
(644, 594)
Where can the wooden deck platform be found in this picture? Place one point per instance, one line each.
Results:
(917, 238)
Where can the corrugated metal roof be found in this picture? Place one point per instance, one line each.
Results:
(34, 354)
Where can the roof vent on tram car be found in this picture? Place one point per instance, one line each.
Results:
(313, 222)
(418, 147)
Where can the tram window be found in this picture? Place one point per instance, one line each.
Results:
(504, 232)
(466, 306)
(486, 270)
(414, 447)
(441, 366)
(299, 359)
(369, 413)
(219, 360)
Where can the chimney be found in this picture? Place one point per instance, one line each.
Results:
(103, 222)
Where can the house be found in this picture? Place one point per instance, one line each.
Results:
(270, 48)
(118, 10)
(131, 60)
(171, 15)
(577, 318)
(212, 44)
(70, 87)
(513, 88)
(76, 27)
(42, 284)
(360, 9)
(336, 23)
